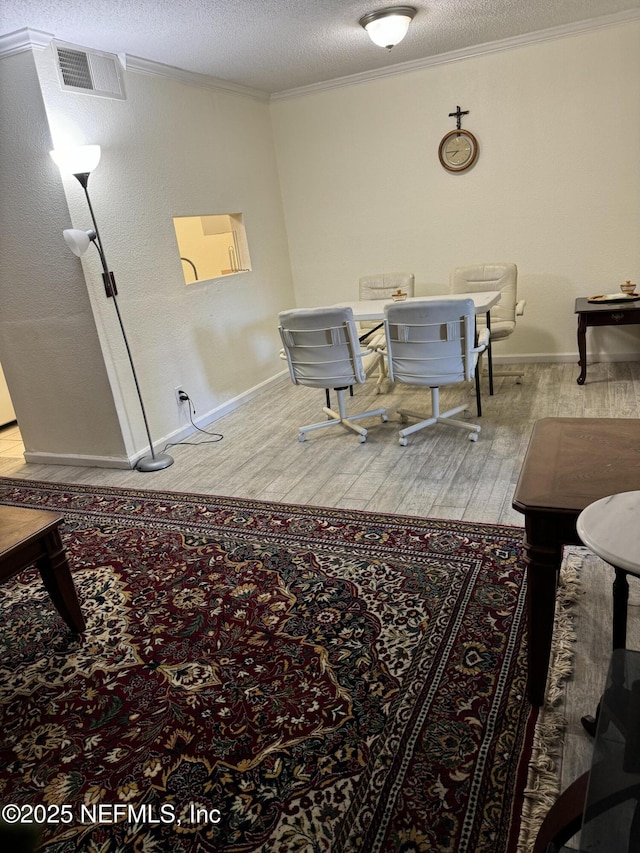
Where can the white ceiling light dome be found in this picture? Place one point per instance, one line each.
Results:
(387, 27)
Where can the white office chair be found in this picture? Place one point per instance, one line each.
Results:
(322, 350)
(431, 344)
(380, 286)
(502, 277)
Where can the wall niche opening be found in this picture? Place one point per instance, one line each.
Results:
(211, 246)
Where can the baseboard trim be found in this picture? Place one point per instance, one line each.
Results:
(220, 411)
(234, 403)
(75, 460)
(563, 357)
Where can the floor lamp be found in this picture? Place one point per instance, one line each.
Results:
(80, 161)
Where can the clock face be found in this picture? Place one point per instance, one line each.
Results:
(458, 150)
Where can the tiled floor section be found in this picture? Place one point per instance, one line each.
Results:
(11, 446)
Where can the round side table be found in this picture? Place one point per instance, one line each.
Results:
(610, 528)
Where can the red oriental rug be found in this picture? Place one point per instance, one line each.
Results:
(263, 677)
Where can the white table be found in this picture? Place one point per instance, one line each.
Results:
(373, 309)
(609, 527)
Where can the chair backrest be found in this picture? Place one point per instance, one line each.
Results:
(430, 342)
(502, 277)
(321, 347)
(382, 286)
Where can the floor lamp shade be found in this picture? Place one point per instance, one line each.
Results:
(78, 241)
(76, 159)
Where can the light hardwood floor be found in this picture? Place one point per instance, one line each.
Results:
(440, 474)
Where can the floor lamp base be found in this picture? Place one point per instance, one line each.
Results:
(154, 463)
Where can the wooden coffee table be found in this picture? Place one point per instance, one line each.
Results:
(31, 536)
(569, 464)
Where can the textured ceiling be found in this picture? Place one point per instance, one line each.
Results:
(276, 45)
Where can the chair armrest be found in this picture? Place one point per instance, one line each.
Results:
(366, 337)
(483, 341)
(520, 307)
(377, 343)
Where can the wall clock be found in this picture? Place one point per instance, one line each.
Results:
(459, 148)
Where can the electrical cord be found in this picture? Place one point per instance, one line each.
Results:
(216, 436)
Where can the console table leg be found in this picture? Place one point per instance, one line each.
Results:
(582, 348)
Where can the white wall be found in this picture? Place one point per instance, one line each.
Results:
(556, 187)
(169, 149)
(49, 346)
(172, 149)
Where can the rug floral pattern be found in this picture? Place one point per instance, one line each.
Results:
(261, 677)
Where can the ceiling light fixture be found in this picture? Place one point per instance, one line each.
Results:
(387, 27)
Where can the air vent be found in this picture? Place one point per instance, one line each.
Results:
(89, 71)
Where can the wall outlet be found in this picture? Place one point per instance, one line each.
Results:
(181, 396)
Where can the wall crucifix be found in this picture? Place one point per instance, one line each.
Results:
(458, 114)
(458, 149)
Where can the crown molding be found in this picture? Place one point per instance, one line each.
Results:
(25, 39)
(537, 37)
(148, 66)
(28, 39)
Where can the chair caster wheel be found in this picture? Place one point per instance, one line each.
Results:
(473, 436)
(302, 436)
(402, 442)
(384, 418)
(518, 381)
(362, 439)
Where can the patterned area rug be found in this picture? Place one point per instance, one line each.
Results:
(257, 676)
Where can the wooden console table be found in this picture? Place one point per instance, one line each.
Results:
(601, 314)
(569, 464)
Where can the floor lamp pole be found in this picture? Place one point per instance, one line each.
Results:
(156, 461)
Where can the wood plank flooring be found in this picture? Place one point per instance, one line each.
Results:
(439, 474)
